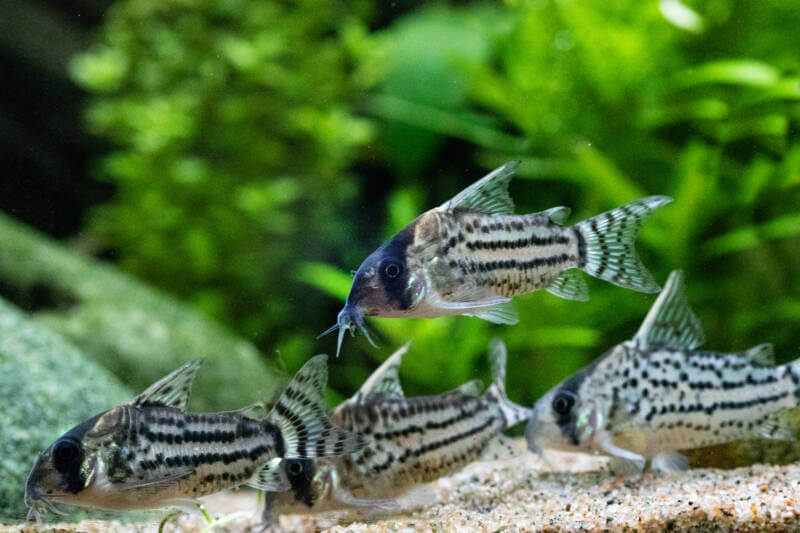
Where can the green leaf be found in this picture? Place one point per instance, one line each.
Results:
(752, 236)
(326, 278)
(741, 72)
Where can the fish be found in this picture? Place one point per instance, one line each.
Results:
(472, 254)
(151, 453)
(409, 442)
(651, 397)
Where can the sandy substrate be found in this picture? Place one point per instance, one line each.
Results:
(568, 494)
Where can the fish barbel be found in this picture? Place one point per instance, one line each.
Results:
(151, 453)
(409, 441)
(471, 255)
(649, 397)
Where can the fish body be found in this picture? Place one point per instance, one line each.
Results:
(471, 255)
(657, 394)
(151, 453)
(409, 441)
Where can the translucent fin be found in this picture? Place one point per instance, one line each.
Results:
(503, 313)
(385, 380)
(501, 448)
(271, 477)
(513, 413)
(470, 388)
(557, 215)
(610, 254)
(619, 466)
(763, 354)
(670, 462)
(624, 459)
(671, 322)
(300, 415)
(155, 480)
(570, 285)
(489, 194)
(173, 389)
(779, 426)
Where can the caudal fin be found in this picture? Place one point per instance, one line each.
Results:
(513, 413)
(609, 253)
(794, 371)
(302, 419)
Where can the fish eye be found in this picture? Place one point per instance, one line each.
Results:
(295, 468)
(66, 452)
(392, 269)
(563, 402)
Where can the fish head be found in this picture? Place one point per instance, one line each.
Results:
(384, 285)
(300, 473)
(565, 418)
(67, 469)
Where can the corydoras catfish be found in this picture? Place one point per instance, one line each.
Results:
(472, 254)
(409, 441)
(649, 397)
(151, 453)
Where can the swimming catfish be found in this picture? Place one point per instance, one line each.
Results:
(656, 394)
(409, 441)
(471, 255)
(151, 453)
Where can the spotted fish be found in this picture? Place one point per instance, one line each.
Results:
(649, 397)
(151, 453)
(410, 441)
(471, 255)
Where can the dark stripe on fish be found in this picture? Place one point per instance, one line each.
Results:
(518, 243)
(432, 426)
(433, 446)
(519, 265)
(581, 247)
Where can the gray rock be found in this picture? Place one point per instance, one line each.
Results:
(136, 332)
(47, 386)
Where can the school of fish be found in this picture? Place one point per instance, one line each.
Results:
(645, 399)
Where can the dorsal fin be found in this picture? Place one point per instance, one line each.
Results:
(763, 354)
(470, 388)
(557, 215)
(671, 322)
(489, 194)
(386, 379)
(172, 390)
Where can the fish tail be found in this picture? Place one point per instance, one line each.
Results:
(606, 248)
(794, 373)
(513, 413)
(301, 417)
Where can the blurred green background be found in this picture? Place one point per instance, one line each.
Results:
(245, 155)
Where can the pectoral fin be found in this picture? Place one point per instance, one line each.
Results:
(779, 426)
(624, 458)
(271, 477)
(670, 462)
(156, 480)
(501, 448)
(503, 313)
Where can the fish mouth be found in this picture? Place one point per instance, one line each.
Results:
(349, 319)
(38, 505)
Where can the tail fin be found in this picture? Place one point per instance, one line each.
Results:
(794, 371)
(609, 251)
(513, 413)
(300, 415)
